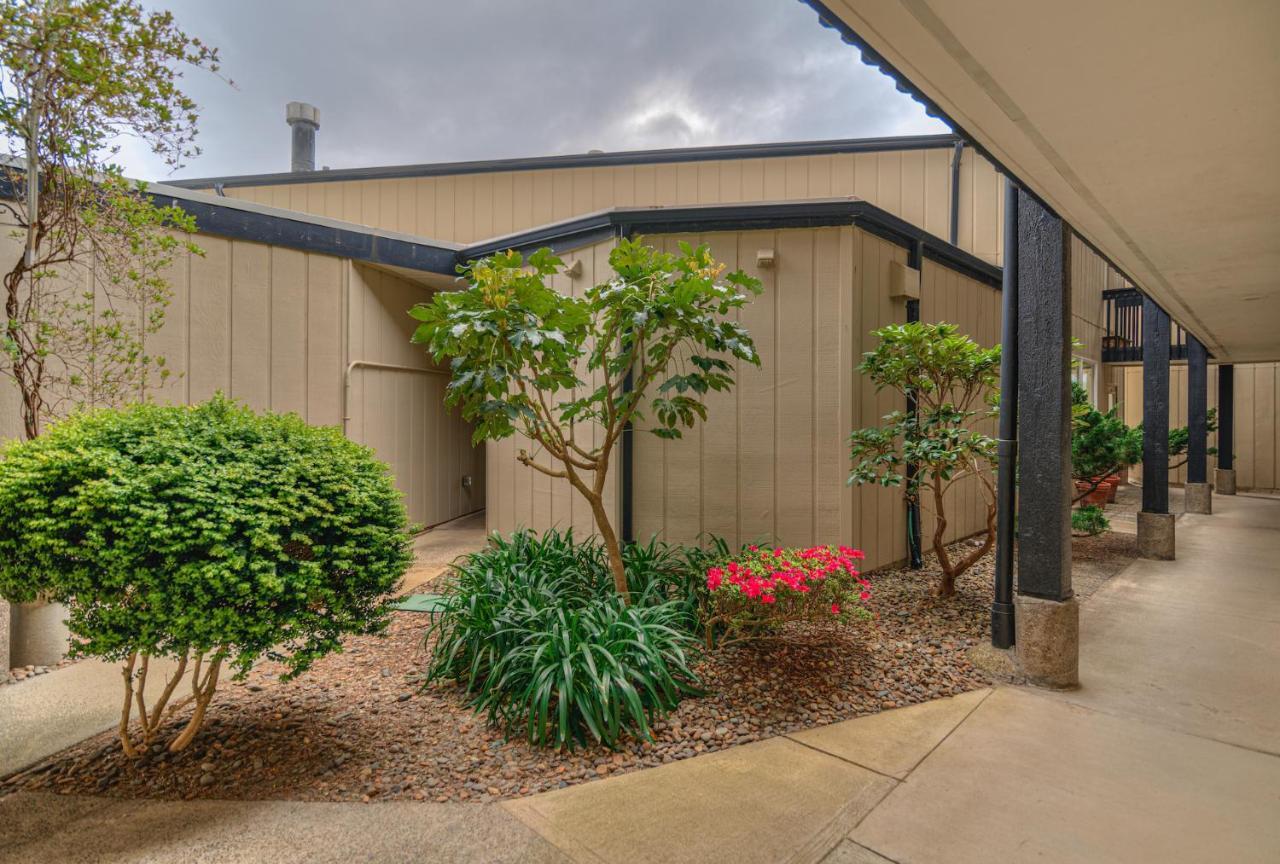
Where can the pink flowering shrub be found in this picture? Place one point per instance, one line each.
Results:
(756, 593)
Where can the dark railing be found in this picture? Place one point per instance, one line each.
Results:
(1122, 314)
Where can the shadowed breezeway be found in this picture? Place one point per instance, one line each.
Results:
(1170, 751)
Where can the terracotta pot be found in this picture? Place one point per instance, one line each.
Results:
(1113, 480)
(1097, 496)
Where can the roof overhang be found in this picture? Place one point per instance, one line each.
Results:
(431, 262)
(757, 215)
(1149, 125)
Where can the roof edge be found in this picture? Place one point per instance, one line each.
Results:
(811, 213)
(582, 160)
(244, 220)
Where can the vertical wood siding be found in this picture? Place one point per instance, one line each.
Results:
(275, 328)
(262, 324)
(464, 208)
(975, 308)
(402, 414)
(1257, 395)
(522, 497)
(770, 462)
(1090, 275)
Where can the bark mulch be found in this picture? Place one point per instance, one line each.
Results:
(360, 726)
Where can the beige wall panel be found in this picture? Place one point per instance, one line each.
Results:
(251, 324)
(913, 184)
(172, 343)
(1131, 412)
(522, 497)
(401, 414)
(288, 317)
(325, 339)
(771, 460)
(974, 307)
(267, 325)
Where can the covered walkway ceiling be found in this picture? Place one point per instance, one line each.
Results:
(1152, 126)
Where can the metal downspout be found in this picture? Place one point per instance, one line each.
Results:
(627, 469)
(1002, 623)
(957, 154)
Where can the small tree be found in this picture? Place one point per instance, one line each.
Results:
(79, 75)
(205, 534)
(1101, 443)
(572, 373)
(950, 376)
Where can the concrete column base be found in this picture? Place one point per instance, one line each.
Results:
(1047, 634)
(1199, 498)
(40, 638)
(1155, 535)
(1225, 481)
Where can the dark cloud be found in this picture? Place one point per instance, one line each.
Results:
(403, 82)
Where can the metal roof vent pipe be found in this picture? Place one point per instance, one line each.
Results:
(304, 119)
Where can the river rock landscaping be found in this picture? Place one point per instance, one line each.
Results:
(360, 725)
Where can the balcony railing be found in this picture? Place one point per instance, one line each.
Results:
(1123, 340)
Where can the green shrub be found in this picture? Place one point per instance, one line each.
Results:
(533, 628)
(1089, 520)
(208, 534)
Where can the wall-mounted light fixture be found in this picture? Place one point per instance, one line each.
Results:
(764, 258)
(574, 270)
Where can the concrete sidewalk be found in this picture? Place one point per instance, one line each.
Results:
(1169, 752)
(43, 715)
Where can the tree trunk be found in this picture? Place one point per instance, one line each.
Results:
(611, 546)
(203, 692)
(947, 587)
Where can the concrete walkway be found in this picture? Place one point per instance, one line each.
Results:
(436, 548)
(1170, 752)
(48, 713)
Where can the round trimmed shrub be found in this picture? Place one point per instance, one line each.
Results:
(208, 534)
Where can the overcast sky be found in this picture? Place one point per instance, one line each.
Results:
(429, 81)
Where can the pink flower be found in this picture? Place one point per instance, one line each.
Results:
(753, 548)
(767, 598)
(835, 608)
(865, 595)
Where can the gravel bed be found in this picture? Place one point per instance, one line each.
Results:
(26, 673)
(360, 726)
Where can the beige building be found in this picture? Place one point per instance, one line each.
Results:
(299, 305)
(926, 184)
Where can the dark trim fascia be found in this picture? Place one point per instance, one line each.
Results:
(582, 160)
(240, 224)
(873, 58)
(558, 236)
(743, 217)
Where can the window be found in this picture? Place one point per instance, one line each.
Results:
(1085, 373)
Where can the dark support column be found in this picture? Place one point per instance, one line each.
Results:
(1225, 479)
(1047, 617)
(1155, 523)
(1199, 494)
(1002, 613)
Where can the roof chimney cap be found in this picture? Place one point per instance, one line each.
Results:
(302, 112)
